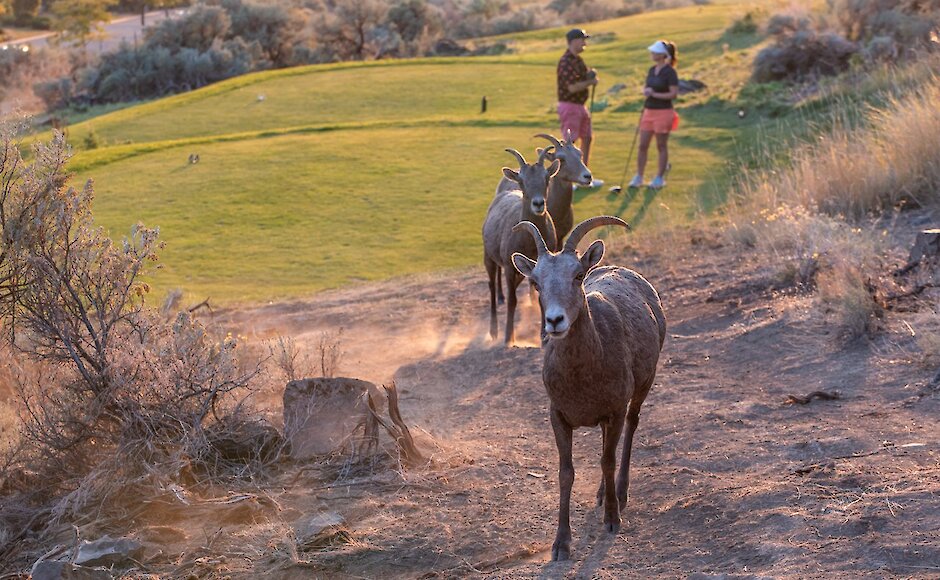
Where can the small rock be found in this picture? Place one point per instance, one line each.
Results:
(320, 530)
(55, 570)
(109, 552)
(690, 86)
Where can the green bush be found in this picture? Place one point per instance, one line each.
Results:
(744, 25)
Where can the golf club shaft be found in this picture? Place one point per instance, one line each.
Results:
(591, 108)
(632, 146)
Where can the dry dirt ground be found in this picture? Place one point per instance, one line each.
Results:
(727, 477)
(728, 480)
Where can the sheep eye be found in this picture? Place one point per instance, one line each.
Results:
(579, 277)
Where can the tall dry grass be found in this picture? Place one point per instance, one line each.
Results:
(821, 213)
(892, 158)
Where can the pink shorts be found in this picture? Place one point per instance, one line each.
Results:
(658, 120)
(574, 117)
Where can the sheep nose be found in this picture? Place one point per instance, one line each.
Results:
(556, 320)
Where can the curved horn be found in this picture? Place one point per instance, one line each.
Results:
(518, 156)
(536, 235)
(542, 155)
(589, 224)
(554, 141)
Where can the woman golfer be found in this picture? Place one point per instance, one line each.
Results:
(659, 118)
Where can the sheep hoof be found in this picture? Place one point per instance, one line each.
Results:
(612, 527)
(561, 552)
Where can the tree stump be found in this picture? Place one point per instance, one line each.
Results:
(926, 247)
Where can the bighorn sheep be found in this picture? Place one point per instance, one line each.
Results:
(560, 189)
(500, 241)
(605, 329)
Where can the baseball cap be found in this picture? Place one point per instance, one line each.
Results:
(576, 33)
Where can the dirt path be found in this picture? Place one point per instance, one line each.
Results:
(727, 477)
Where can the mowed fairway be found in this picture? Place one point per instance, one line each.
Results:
(367, 171)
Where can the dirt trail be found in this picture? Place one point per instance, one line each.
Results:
(727, 478)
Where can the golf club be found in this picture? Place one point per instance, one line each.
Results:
(619, 188)
(591, 108)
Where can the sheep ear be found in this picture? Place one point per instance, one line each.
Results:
(593, 255)
(513, 175)
(523, 264)
(553, 168)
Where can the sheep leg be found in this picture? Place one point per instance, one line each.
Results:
(612, 429)
(492, 270)
(561, 549)
(512, 281)
(601, 487)
(623, 478)
(499, 285)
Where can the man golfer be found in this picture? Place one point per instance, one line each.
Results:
(574, 84)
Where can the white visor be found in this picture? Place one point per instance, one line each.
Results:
(659, 47)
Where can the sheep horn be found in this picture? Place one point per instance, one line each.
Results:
(554, 141)
(542, 155)
(536, 235)
(589, 224)
(518, 156)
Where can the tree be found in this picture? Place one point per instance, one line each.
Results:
(349, 30)
(413, 18)
(24, 11)
(79, 20)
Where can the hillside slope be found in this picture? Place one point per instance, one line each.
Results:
(316, 177)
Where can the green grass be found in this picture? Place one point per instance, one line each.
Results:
(366, 171)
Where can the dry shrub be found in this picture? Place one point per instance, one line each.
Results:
(802, 50)
(928, 342)
(846, 290)
(116, 399)
(330, 352)
(289, 361)
(817, 251)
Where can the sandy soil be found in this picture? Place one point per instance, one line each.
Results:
(727, 477)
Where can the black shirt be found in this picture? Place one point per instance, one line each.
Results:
(571, 69)
(660, 83)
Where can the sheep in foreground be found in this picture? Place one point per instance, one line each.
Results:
(500, 241)
(605, 329)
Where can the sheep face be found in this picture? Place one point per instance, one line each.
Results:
(572, 168)
(559, 279)
(533, 182)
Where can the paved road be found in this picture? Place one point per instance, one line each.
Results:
(122, 28)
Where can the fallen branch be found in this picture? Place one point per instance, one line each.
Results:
(917, 290)
(398, 430)
(203, 304)
(791, 399)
